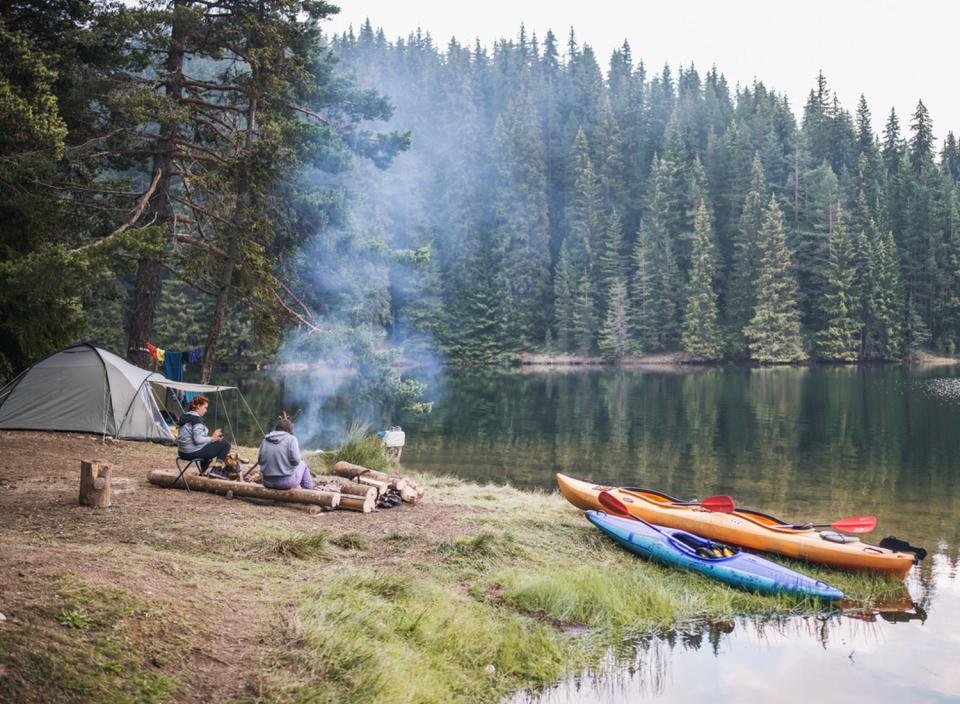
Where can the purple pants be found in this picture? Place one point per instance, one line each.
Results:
(301, 477)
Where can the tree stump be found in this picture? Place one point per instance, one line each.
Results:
(95, 483)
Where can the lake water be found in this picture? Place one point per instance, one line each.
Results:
(801, 443)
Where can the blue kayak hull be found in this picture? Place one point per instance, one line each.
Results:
(677, 548)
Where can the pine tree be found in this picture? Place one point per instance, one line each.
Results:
(921, 143)
(642, 303)
(741, 292)
(774, 332)
(522, 225)
(564, 289)
(610, 263)
(838, 340)
(887, 299)
(584, 316)
(614, 340)
(701, 333)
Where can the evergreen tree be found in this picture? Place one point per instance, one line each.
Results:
(642, 304)
(564, 290)
(774, 332)
(522, 226)
(614, 340)
(701, 333)
(839, 339)
(741, 291)
(887, 300)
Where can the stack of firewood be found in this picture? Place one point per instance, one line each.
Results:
(353, 474)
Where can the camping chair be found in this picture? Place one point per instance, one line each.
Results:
(184, 467)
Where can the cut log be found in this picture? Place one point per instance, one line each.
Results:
(345, 486)
(362, 475)
(345, 469)
(409, 490)
(326, 499)
(95, 483)
(364, 504)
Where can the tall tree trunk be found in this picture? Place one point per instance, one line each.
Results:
(233, 248)
(147, 288)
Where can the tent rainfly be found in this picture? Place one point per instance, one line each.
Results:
(86, 389)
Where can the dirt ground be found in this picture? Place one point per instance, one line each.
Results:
(134, 546)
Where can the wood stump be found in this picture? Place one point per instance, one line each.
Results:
(95, 483)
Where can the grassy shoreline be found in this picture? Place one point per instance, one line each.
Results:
(477, 592)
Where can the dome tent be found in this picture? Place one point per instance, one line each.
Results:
(87, 389)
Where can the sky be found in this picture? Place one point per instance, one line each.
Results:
(893, 52)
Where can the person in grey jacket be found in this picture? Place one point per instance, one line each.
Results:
(280, 463)
(194, 441)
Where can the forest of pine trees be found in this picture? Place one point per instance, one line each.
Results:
(576, 208)
(224, 173)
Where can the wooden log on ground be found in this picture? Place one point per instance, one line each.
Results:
(363, 475)
(326, 499)
(409, 490)
(364, 504)
(345, 486)
(95, 486)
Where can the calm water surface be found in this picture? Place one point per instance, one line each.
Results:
(804, 444)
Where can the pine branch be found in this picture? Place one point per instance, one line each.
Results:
(137, 212)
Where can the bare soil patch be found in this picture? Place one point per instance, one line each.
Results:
(190, 556)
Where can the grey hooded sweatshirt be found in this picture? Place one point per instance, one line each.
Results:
(279, 454)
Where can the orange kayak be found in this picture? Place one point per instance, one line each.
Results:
(750, 529)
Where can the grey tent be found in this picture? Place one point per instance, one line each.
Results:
(87, 389)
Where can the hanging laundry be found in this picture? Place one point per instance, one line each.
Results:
(195, 355)
(152, 349)
(173, 365)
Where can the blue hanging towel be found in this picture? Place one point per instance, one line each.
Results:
(194, 355)
(173, 366)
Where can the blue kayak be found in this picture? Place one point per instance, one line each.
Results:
(725, 563)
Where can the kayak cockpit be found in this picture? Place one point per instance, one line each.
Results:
(701, 547)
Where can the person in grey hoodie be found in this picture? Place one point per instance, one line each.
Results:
(280, 464)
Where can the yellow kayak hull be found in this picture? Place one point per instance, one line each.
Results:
(749, 529)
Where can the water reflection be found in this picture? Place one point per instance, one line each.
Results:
(808, 444)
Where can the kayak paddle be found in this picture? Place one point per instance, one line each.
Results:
(615, 505)
(718, 504)
(853, 524)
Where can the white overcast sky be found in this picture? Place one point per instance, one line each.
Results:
(893, 52)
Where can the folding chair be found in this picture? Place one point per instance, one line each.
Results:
(183, 469)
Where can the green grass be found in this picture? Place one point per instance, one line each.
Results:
(467, 614)
(359, 447)
(86, 643)
(370, 636)
(300, 546)
(352, 540)
(494, 614)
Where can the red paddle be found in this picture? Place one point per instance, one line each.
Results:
(719, 504)
(854, 524)
(614, 505)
